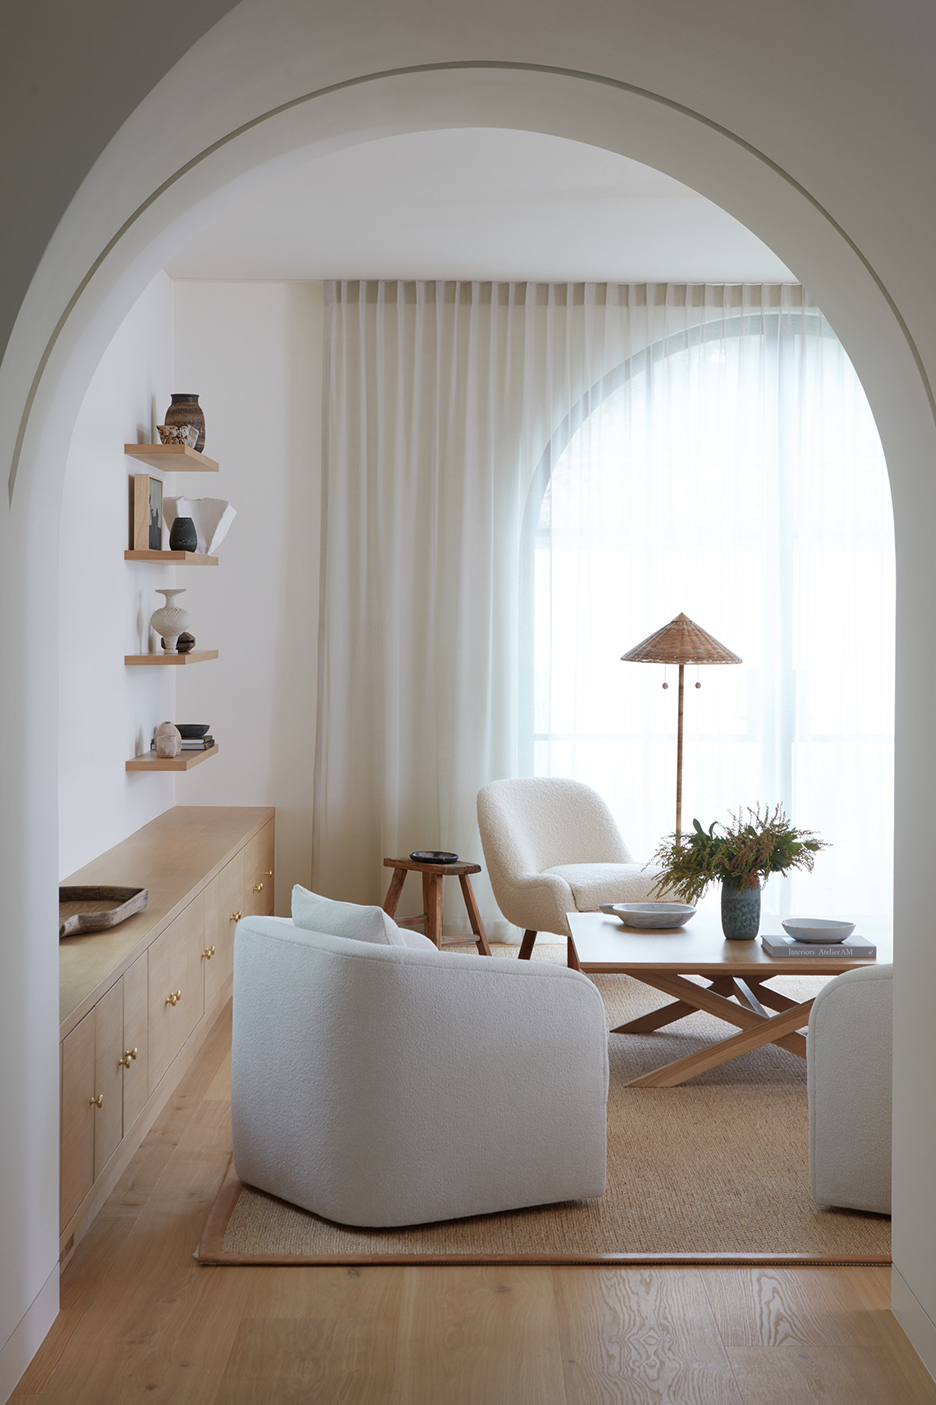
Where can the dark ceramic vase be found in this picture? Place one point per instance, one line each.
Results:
(185, 409)
(740, 912)
(182, 535)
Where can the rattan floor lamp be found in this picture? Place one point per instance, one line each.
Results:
(680, 642)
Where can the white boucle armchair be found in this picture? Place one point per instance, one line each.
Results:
(382, 1085)
(848, 1074)
(551, 847)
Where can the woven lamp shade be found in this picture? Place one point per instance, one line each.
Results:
(680, 641)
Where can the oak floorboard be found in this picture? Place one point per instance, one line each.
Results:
(309, 1361)
(489, 1335)
(641, 1337)
(767, 1306)
(325, 1291)
(818, 1375)
(159, 1326)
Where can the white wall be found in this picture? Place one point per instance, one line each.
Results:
(107, 711)
(252, 352)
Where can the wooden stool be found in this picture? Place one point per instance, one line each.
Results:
(432, 875)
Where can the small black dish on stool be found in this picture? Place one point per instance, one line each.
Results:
(433, 856)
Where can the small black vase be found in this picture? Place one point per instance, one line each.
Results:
(182, 535)
(185, 409)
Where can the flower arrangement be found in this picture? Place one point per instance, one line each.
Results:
(741, 855)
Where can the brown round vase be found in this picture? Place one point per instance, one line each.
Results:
(185, 409)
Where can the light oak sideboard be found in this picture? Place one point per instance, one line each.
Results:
(137, 1000)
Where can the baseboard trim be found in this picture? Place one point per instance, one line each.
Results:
(29, 1335)
(915, 1321)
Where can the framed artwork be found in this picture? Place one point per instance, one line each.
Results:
(147, 513)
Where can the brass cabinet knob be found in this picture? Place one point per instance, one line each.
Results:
(235, 916)
(98, 1101)
(133, 1052)
(208, 953)
(125, 1062)
(258, 887)
(173, 997)
(269, 873)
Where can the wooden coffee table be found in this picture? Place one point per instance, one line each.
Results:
(735, 992)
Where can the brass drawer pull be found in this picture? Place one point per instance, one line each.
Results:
(98, 1101)
(235, 916)
(208, 953)
(173, 997)
(258, 887)
(125, 1062)
(269, 873)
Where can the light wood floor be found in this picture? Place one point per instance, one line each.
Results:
(141, 1320)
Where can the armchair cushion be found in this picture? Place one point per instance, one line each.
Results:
(595, 883)
(358, 923)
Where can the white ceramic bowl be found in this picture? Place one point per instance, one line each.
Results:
(818, 929)
(650, 915)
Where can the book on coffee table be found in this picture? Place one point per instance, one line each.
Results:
(855, 949)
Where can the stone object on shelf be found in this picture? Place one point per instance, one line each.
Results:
(168, 739)
(178, 434)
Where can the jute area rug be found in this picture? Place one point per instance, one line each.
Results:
(715, 1170)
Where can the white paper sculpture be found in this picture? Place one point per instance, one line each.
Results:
(212, 518)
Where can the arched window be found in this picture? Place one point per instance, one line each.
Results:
(731, 471)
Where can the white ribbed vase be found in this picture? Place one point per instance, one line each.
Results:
(170, 620)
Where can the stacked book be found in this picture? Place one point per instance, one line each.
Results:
(854, 949)
(192, 743)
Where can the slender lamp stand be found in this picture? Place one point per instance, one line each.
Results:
(680, 642)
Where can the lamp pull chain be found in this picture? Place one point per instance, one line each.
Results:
(697, 683)
(665, 684)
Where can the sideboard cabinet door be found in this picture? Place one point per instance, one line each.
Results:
(77, 1151)
(135, 1043)
(176, 987)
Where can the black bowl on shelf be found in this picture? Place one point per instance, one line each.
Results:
(190, 730)
(433, 856)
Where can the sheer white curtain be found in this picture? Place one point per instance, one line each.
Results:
(523, 480)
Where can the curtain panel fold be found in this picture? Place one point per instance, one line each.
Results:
(521, 481)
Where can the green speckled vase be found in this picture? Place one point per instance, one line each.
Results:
(740, 912)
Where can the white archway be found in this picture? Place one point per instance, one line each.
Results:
(130, 216)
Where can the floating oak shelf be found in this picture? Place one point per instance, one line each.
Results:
(172, 458)
(162, 658)
(183, 762)
(182, 558)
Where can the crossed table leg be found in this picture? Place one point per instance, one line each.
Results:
(756, 1025)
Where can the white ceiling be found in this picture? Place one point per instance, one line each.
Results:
(480, 203)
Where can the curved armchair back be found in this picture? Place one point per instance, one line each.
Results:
(538, 822)
(382, 1085)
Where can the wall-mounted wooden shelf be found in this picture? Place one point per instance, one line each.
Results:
(172, 458)
(162, 658)
(183, 762)
(182, 558)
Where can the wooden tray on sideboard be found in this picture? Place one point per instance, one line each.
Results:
(92, 908)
